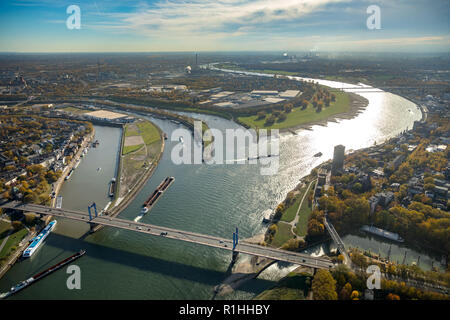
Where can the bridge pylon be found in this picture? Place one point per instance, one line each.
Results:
(235, 243)
(92, 206)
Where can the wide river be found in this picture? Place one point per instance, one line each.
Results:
(210, 199)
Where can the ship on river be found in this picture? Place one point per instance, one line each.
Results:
(154, 197)
(22, 285)
(382, 233)
(69, 175)
(37, 241)
(112, 185)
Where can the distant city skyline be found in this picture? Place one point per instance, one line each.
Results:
(227, 25)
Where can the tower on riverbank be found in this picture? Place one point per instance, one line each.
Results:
(338, 159)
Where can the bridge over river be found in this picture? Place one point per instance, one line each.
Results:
(207, 240)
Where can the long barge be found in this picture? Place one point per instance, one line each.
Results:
(154, 197)
(22, 285)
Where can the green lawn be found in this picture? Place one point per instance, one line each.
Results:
(283, 234)
(305, 212)
(289, 213)
(148, 132)
(130, 149)
(298, 116)
(131, 130)
(12, 241)
(4, 227)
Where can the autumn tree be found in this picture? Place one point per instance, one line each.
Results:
(324, 286)
(345, 292)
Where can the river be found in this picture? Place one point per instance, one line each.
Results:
(211, 199)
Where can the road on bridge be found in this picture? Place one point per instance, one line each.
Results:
(211, 241)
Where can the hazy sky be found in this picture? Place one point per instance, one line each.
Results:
(225, 25)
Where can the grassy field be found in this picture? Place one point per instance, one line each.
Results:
(75, 110)
(289, 213)
(4, 227)
(283, 234)
(148, 132)
(131, 130)
(292, 287)
(138, 158)
(304, 213)
(12, 241)
(130, 149)
(298, 116)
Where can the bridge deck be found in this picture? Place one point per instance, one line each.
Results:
(212, 241)
(337, 240)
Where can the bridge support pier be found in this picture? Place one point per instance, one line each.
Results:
(234, 256)
(92, 227)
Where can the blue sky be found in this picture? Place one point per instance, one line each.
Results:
(225, 25)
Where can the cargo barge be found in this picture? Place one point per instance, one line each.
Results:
(22, 285)
(154, 197)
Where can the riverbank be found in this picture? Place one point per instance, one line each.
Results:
(294, 286)
(245, 269)
(356, 104)
(56, 188)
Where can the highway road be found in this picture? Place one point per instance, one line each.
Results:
(207, 240)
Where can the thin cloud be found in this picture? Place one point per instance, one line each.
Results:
(184, 18)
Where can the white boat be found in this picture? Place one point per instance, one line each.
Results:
(180, 139)
(39, 239)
